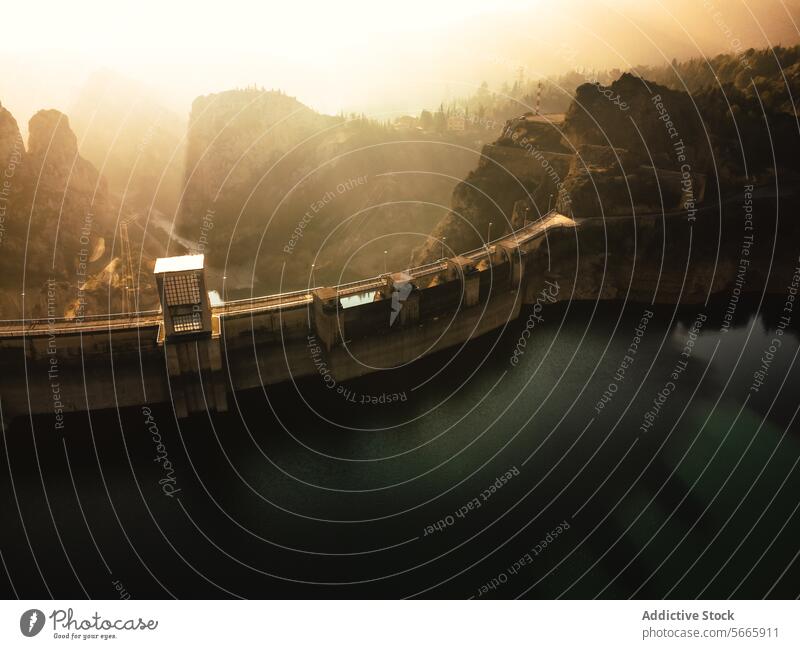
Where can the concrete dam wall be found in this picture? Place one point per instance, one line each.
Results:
(348, 331)
(57, 366)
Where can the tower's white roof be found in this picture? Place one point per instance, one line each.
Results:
(177, 264)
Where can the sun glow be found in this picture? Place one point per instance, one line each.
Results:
(382, 58)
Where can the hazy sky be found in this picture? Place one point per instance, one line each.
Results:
(373, 55)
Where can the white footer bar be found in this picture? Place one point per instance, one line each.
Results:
(400, 624)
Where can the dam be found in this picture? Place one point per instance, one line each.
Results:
(195, 350)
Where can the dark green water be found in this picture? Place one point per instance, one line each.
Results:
(301, 492)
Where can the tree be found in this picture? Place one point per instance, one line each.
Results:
(440, 120)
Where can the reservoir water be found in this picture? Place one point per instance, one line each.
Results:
(585, 451)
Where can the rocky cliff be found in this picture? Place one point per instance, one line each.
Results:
(57, 226)
(655, 179)
(646, 119)
(517, 177)
(54, 201)
(12, 148)
(273, 187)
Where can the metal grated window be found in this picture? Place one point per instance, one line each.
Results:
(184, 323)
(182, 288)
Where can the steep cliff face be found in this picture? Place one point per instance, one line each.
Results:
(273, 187)
(55, 208)
(53, 165)
(519, 176)
(12, 155)
(632, 147)
(631, 162)
(12, 148)
(605, 181)
(644, 118)
(233, 139)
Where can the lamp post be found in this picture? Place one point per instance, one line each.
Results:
(489, 234)
(443, 240)
(313, 283)
(385, 252)
(549, 202)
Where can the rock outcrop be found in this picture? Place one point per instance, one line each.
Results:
(652, 122)
(632, 147)
(54, 208)
(605, 181)
(12, 148)
(273, 187)
(630, 162)
(527, 165)
(233, 139)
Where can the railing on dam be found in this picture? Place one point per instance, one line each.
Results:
(292, 299)
(11, 328)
